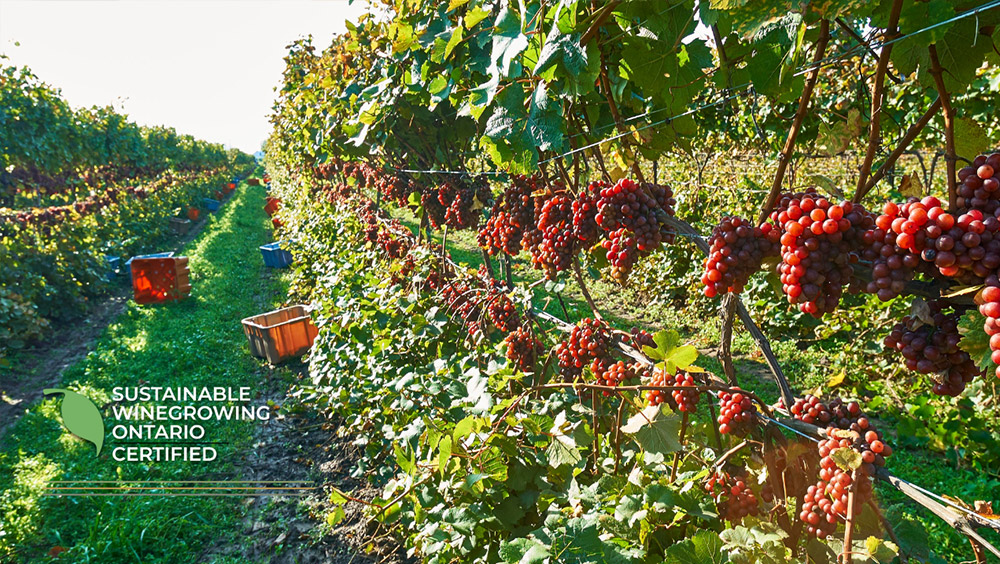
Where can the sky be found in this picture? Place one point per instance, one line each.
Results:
(207, 68)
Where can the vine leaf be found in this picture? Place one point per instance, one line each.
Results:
(670, 352)
(911, 186)
(656, 433)
(970, 138)
(703, 548)
(846, 458)
(81, 417)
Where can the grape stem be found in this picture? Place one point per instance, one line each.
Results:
(583, 287)
(908, 138)
(846, 556)
(680, 439)
(878, 94)
(786, 152)
(949, 125)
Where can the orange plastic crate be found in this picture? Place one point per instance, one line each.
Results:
(280, 335)
(272, 206)
(193, 213)
(156, 280)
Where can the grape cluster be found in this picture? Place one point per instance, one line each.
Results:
(819, 243)
(609, 373)
(687, 399)
(393, 247)
(394, 188)
(659, 378)
(513, 213)
(736, 251)
(462, 201)
(554, 252)
(628, 212)
(979, 184)
(733, 497)
(737, 413)
(835, 413)
(585, 215)
(827, 501)
(622, 253)
(434, 210)
(502, 312)
(966, 248)
(523, 348)
(990, 308)
(589, 340)
(641, 338)
(933, 348)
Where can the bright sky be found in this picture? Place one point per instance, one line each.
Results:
(204, 67)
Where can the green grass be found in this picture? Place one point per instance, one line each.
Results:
(194, 342)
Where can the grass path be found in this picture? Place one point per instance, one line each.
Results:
(195, 342)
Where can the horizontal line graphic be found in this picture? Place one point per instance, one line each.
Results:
(181, 482)
(128, 488)
(166, 494)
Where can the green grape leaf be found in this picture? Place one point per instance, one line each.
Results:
(970, 138)
(975, 341)
(846, 458)
(81, 417)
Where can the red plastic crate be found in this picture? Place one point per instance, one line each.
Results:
(272, 206)
(158, 280)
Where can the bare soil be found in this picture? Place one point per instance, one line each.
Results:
(291, 529)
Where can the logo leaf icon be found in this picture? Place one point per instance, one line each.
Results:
(81, 417)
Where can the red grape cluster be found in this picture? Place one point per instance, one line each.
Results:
(589, 340)
(733, 497)
(462, 201)
(965, 248)
(687, 399)
(512, 214)
(827, 501)
(932, 348)
(434, 210)
(629, 213)
(659, 378)
(523, 348)
(609, 373)
(979, 184)
(554, 252)
(585, 215)
(990, 308)
(819, 243)
(835, 413)
(737, 413)
(736, 252)
(622, 253)
(641, 338)
(502, 312)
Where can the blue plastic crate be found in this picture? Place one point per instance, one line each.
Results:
(275, 256)
(114, 264)
(211, 205)
(128, 263)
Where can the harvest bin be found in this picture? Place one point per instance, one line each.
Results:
(157, 280)
(128, 263)
(179, 226)
(211, 205)
(280, 335)
(275, 256)
(272, 206)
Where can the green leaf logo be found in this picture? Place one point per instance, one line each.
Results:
(81, 417)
